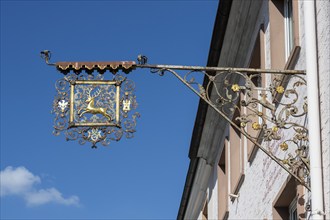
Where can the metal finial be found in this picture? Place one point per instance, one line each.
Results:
(46, 55)
(142, 59)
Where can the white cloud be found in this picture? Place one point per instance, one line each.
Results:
(49, 195)
(16, 181)
(21, 182)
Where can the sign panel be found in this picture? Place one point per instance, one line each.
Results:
(92, 109)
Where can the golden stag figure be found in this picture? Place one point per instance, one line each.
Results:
(90, 106)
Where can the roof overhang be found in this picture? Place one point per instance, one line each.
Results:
(213, 59)
(231, 41)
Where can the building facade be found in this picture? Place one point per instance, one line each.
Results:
(228, 176)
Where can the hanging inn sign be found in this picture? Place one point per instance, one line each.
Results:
(96, 107)
(88, 107)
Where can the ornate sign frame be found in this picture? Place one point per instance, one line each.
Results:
(72, 122)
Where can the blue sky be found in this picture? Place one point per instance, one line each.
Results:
(45, 177)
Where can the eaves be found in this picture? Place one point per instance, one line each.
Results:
(231, 40)
(213, 59)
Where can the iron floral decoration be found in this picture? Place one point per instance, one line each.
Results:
(270, 111)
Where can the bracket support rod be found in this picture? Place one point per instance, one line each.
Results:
(225, 69)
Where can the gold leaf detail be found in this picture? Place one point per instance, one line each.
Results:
(280, 89)
(256, 126)
(235, 87)
(275, 129)
(284, 146)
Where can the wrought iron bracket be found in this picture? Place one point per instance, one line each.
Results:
(272, 117)
(269, 107)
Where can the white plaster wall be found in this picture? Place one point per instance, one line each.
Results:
(263, 177)
(213, 195)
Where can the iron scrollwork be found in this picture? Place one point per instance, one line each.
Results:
(272, 117)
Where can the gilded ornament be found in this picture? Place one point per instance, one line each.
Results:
(256, 126)
(275, 129)
(284, 146)
(280, 89)
(91, 108)
(243, 124)
(235, 87)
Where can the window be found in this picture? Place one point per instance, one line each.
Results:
(293, 214)
(283, 20)
(288, 26)
(289, 203)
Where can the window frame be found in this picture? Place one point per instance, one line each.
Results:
(236, 157)
(288, 28)
(293, 211)
(222, 175)
(290, 198)
(280, 48)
